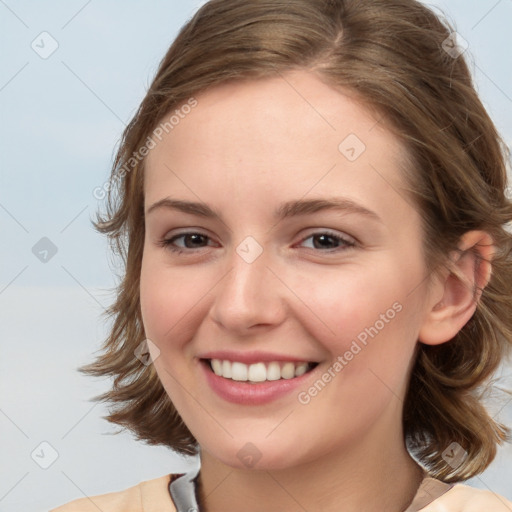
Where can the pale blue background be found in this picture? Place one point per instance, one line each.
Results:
(61, 120)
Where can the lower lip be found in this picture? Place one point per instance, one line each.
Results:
(246, 393)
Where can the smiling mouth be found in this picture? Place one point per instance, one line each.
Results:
(258, 372)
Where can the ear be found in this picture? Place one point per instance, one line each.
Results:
(455, 294)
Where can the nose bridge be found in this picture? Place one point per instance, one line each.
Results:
(249, 294)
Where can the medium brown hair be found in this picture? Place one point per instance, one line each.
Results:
(390, 54)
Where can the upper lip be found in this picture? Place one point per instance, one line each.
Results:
(250, 357)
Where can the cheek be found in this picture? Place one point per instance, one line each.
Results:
(151, 303)
(352, 304)
(160, 302)
(172, 303)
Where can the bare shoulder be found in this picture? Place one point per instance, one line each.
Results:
(462, 498)
(148, 496)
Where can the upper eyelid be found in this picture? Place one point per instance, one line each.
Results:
(184, 234)
(317, 232)
(343, 238)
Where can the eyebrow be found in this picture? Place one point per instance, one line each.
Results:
(285, 210)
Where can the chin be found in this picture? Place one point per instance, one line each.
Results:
(254, 456)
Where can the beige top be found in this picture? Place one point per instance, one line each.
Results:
(154, 496)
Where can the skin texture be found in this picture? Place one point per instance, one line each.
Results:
(244, 150)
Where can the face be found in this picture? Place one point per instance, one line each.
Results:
(262, 271)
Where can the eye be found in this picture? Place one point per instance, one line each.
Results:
(326, 242)
(192, 240)
(326, 239)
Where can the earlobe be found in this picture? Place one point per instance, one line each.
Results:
(455, 296)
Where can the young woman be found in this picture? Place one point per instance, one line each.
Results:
(311, 206)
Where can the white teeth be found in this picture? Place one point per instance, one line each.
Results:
(239, 371)
(301, 369)
(226, 369)
(217, 367)
(257, 372)
(273, 371)
(288, 371)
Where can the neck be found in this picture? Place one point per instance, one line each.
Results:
(376, 474)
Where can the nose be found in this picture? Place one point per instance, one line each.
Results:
(250, 295)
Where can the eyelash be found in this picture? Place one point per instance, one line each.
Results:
(167, 242)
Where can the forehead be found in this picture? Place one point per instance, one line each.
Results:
(284, 135)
